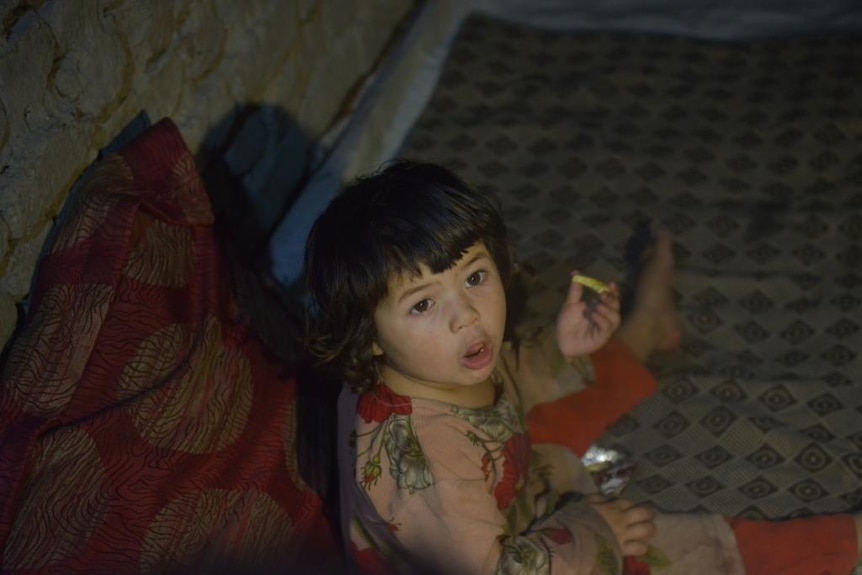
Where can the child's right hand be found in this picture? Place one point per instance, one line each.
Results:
(632, 524)
(581, 329)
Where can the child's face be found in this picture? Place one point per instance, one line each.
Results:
(439, 335)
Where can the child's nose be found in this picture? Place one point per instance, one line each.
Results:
(464, 313)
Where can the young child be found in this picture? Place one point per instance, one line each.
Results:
(458, 450)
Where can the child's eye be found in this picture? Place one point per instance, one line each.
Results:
(476, 278)
(422, 306)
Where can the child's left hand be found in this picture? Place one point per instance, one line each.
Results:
(584, 327)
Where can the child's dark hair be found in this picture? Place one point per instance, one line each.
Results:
(380, 226)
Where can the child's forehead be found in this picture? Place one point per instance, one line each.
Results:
(404, 279)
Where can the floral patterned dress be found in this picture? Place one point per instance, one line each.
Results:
(428, 486)
(445, 488)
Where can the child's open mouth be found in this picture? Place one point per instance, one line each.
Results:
(477, 356)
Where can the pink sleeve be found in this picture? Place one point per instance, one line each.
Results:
(448, 516)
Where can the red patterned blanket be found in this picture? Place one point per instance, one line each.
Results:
(145, 427)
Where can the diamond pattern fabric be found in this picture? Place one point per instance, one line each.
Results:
(750, 153)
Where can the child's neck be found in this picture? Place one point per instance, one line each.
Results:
(473, 397)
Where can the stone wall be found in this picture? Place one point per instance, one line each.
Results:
(258, 81)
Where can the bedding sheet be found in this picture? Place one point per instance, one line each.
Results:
(750, 153)
(399, 88)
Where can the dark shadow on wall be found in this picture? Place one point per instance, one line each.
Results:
(255, 163)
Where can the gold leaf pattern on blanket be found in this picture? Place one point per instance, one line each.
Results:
(53, 527)
(197, 528)
(44, 383)
(89, 208)
(161, 254)
(195, 411)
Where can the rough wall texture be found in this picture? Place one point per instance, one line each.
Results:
(258, 81)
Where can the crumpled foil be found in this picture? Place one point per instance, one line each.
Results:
(612, 470)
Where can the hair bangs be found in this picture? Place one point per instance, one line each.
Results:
(436, 247)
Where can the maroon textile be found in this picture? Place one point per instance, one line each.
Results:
(144, 427)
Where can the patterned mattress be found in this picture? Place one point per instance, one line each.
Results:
(750, 153)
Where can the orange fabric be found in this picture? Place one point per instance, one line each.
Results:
(821, 545)
(577, 420)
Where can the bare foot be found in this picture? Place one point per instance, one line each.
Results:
(654, 323)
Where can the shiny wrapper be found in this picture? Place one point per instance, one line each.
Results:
(611, 469)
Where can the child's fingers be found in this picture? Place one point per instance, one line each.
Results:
(576, 289)
(607, 309)
(639, 513)
(592, 291)
(636, 539)
(596, 498)
(611, 297)
(600, 323)
(632, 524)
(634, 548)
(640, 528)
(633, 514)
(605, 316)
(642, 531)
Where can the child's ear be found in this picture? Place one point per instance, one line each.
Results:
(376, 350)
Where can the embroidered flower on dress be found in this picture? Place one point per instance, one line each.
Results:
(497, 423)
(523, 556)
(516, 457)
(395, 434)
(406, 459)
(371, 472)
